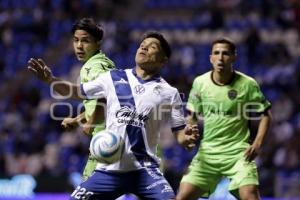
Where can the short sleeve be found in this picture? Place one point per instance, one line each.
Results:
(177, 113)
(100, 67)
(194, 101)
(97, 88)
(256, 98)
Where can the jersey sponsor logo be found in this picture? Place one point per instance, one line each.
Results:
(127, 115)
(139, 89)
(232, 94)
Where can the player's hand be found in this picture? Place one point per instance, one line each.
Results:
(191, 136)
(251, 152)
(69, 123)
(40, 69)
(87, 129)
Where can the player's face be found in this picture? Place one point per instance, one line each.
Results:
(85, 45)
(222, 57)
(149, 55)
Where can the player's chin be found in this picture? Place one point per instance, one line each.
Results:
(219, 68)
(140, 61)
(81, 59)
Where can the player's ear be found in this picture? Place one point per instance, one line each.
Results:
(164, 59)
(210, 59)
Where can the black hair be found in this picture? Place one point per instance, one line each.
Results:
(227, 41)
(163, 42)
(89, 25)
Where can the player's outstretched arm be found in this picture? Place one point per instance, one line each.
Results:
(44, 73)
(263, 128)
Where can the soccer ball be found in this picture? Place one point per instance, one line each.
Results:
(106, 147)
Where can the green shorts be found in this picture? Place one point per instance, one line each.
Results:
(89, 168)
(206, 171)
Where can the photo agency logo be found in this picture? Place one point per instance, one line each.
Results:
(250, 111)
(155, 109)
(63, 107)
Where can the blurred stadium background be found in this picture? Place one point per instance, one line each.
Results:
(39, 159)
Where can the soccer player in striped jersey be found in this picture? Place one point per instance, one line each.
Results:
(139, 103)
(87, 37)
(224, 97)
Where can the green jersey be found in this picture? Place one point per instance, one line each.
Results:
(226, 112)
(96, 65)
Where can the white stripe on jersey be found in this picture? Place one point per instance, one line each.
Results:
(136, 109)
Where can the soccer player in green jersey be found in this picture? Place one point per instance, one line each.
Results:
(136, 165)
(87, 37)
(225, 97)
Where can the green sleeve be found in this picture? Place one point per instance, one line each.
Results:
(194, 101)
(98, 69)
(256, 98)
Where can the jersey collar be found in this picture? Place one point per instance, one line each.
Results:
(228, 83)
(154, 78)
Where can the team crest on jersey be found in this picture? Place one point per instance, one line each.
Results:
(139, 89)
(232, 94)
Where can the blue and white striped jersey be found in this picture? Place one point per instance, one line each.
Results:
(136, 109)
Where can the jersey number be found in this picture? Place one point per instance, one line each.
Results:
(81, 193)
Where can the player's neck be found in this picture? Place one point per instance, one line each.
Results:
(145, 75)
(222, 77)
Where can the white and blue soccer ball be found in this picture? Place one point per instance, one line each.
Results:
(106, 147)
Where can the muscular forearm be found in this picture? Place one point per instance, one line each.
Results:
(263, 128)
(81, 118)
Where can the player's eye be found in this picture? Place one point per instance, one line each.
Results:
(154, 47)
